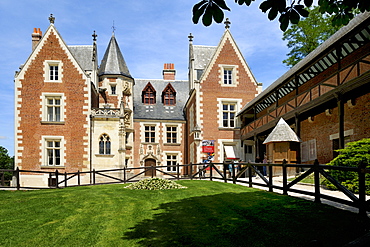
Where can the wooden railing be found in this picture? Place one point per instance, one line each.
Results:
(216, 171)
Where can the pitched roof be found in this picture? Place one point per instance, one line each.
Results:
(83, 55)
(159, 111)
(113, 62)
(282, 133)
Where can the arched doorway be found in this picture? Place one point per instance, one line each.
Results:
(150, 162)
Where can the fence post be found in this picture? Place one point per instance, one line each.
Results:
(362, 190)
(151, 168)
(65, 179)
(78, 178)
(178, 171)
(56, 178)
(270, 178)
(225, 170)
(250, 175)
(124, 174)
(233, 172)
(191, 171)
(93, 176)
(210, 171)
(285, 178)
(317, 181)
(17, 177)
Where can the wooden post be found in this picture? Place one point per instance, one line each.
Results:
(285, 178)
(225, 170)
(191, 171)
(250, 174)
(210, 171)
(178, 171)
(78, 177)
(93, 176)
(65, 179)
(317, 181)
(362, 190)
(270, 179)
(17, 177)
(56, 178)
(124, 174)
(151, 168)
(233, 172)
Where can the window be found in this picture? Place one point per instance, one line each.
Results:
(149, 133)
(228, 115)
(53, 72)
(169, 95)
(228, 76)
(53, 106)
(149, 95)
(113, 89)
(53, 153)
(171, 162)
(171, 134)
(104, 144)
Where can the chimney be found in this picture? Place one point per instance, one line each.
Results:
(169, 71)
(36, 37)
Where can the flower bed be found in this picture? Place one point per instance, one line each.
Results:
(155, 184)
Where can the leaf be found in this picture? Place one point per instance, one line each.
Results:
(294, 16)
(218, 14)
(272, 13)
(222, 4)
(300, 9)
(266, 5)
(308, 3)
(247, 2)
(207, 16)
(198, 10)
(284, 21)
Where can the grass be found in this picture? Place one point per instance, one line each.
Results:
(205, 214)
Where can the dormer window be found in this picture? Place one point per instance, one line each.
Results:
(148, 95)
(169, 95)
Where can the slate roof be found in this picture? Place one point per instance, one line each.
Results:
(113, 62)
(202, 56)
(83, 54)
(159, 111)
(282, 133)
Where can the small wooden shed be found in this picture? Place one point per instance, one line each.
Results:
(282, 143)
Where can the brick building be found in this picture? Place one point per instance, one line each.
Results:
(325, 98)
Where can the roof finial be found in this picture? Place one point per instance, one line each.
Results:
(113, 27)
(94, 36)
(227, 23)
(51, 19)
(190, 37)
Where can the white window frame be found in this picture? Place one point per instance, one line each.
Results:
(172, 132)
(150, 131)
(172, 161)
(234, 78)
(221, 102)
(45, 148)
(45, 106)
(47, 71)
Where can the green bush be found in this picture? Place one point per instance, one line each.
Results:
(354, 154)
(155, 184)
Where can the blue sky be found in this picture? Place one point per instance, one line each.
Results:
(150, 33)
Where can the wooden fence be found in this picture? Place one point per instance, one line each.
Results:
(211, 171)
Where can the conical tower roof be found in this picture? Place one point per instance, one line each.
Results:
(113, 62)
(282, 133)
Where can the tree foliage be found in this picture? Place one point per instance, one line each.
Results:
(308, 34)
(353, 155)
(6, 162)
(288, 11)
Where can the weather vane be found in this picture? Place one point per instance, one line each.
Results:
(113, 27)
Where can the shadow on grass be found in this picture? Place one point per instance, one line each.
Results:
(245, 219)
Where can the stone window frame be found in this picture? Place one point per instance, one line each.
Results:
(47, 65)
(44, 146)
(45, 96)
(234, 75)
(221, 102)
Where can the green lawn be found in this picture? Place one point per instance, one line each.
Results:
(205, 214)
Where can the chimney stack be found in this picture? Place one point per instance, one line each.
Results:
(36, 37)
(169, 71)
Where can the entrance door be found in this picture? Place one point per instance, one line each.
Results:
(149, 163)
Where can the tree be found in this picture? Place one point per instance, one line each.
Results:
(288, 13)
(353, 155)
(6, 162)
(308, 34)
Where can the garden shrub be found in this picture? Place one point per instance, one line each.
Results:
(354, 154)
(155, 184)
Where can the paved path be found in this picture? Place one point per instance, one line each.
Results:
(278, 181)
